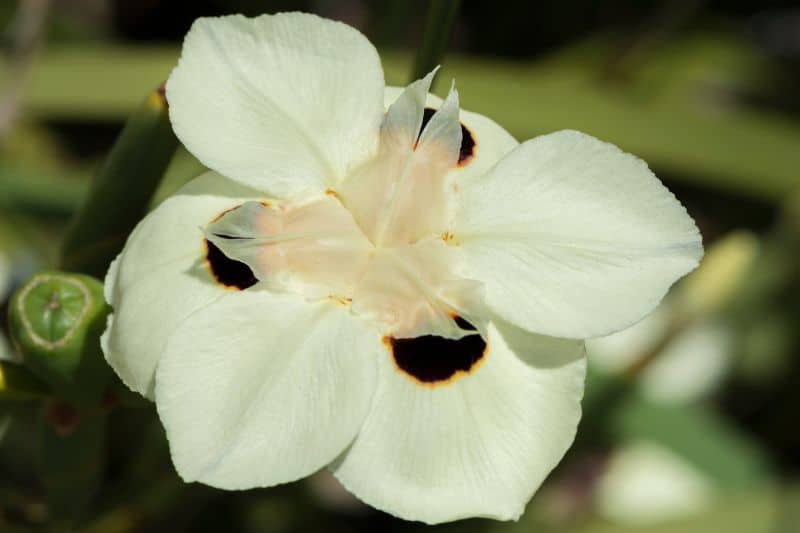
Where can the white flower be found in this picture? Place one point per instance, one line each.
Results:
(366, 284)
(646, 483)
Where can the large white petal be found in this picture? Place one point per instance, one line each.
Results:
(162, 276)
(264, 388)
(279, 102)
(477, 445)
(573, 237)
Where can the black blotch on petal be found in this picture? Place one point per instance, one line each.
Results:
(463, 324)
(467, 149)
(467, 146)
(431, 359)
(427, 114)
(228, 272)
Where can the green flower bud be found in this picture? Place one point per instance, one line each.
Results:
(55, 321)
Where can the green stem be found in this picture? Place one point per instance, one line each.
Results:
(438, 26)
(73, 461)
(120, 192)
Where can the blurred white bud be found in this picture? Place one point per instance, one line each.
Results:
(646, 484)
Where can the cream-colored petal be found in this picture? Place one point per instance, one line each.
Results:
(314, 249)
(283, 103)
(573, 237)
(162, 276)
(264, 388)
(478, 444)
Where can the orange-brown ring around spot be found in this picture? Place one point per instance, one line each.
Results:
(468, 145)
(433, 361)
(229, 273)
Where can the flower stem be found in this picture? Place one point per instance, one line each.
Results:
(435, 37)
(121, 190)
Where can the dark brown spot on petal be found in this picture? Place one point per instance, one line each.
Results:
(433, 360)
(463, 324)
(228, 272)
(467, 150)
(427, 115)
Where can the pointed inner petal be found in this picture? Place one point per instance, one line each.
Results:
(314, 249)
(401, 196)
(467, 150)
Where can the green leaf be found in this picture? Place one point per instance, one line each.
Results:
(122, 189)
(766, 510)
(699, 435)
(438, 26)
(73, 462)
(664, 114)
(18, 384)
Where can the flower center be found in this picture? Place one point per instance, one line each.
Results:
(377, 241)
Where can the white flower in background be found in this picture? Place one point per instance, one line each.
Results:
(698, 355)
(372, 279)
(646, 483)
(691, 366)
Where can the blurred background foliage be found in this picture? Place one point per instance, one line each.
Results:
(690, 420)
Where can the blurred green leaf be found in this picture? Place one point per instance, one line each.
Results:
(181, 170)
(18, 383)
(678, 114)
(771, 509)
(25, 189)
(122, 189)
(73, 461)
(699, 435)
(438, 26)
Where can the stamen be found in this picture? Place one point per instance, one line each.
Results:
(228, 272)
(431, 360)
